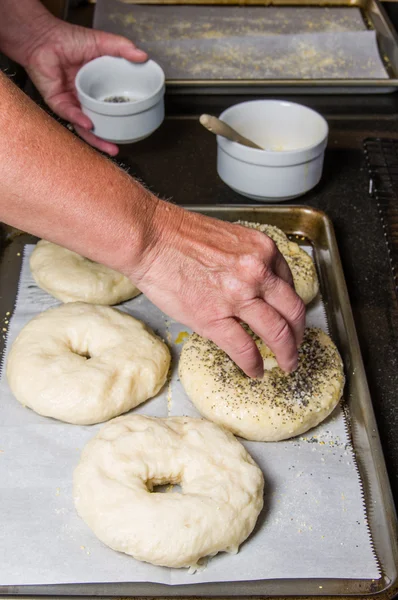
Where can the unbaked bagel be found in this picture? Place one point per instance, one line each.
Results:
(84, 364)
(278, 406)
(300, 263)
(221, 489)
(70, 277)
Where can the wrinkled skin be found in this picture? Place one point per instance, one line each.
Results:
(212, 275)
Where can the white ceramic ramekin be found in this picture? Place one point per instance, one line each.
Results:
(108, 77)
(294, 138)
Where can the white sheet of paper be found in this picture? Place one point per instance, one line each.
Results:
(313, 523)
(250, 42)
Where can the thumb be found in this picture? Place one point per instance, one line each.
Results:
(117, 45)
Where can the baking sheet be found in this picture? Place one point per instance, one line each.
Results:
(313, 524)
(224, 43)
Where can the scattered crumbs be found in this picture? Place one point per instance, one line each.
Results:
(1, 451)
(8, 314)
(82, 547)
(321, 587)
(18, 254)
(57, 492)
(181, 337)
(4, 328)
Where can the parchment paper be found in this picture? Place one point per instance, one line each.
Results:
(313, 523)
(232, 42)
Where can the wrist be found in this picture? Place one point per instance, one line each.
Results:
(160, 230)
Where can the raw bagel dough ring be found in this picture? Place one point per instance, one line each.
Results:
(84, 364)
(70, 277)
(278, 406)
(221, 489)
(300, 263)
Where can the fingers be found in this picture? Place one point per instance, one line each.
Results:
(281, 268)
(237, 343)
(97, 142)
(67, 107)
(282, 298)
(274, 330)
(116, 45)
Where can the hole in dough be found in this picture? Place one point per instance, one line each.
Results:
(167, 488)
(83, 354)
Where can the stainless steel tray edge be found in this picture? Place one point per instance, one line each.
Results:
(316, 226)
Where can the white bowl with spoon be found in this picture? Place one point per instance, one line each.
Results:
(292, 140)
(124, 100)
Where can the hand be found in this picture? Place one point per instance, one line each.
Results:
(52, 64)
(212, 275)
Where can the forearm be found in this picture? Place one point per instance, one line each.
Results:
(23, 24)
(54, 186)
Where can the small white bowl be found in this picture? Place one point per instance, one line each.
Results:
(294, 139)
(139, 89)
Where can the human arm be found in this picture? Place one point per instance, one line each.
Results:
(205, 273)
(52, 52)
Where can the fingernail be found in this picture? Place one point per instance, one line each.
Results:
(86, 124)
(259, 373)
(293, 366)
(140, 53)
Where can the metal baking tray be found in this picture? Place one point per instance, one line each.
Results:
(313, 226)
(374, 16)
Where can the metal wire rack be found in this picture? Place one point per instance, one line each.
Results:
(382, 161)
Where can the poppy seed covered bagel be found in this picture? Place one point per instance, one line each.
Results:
(217, 509)
(300, 263)
(85, 364)
(278, 406)
(70, 277)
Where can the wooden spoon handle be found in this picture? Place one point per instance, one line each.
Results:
(220, 128)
